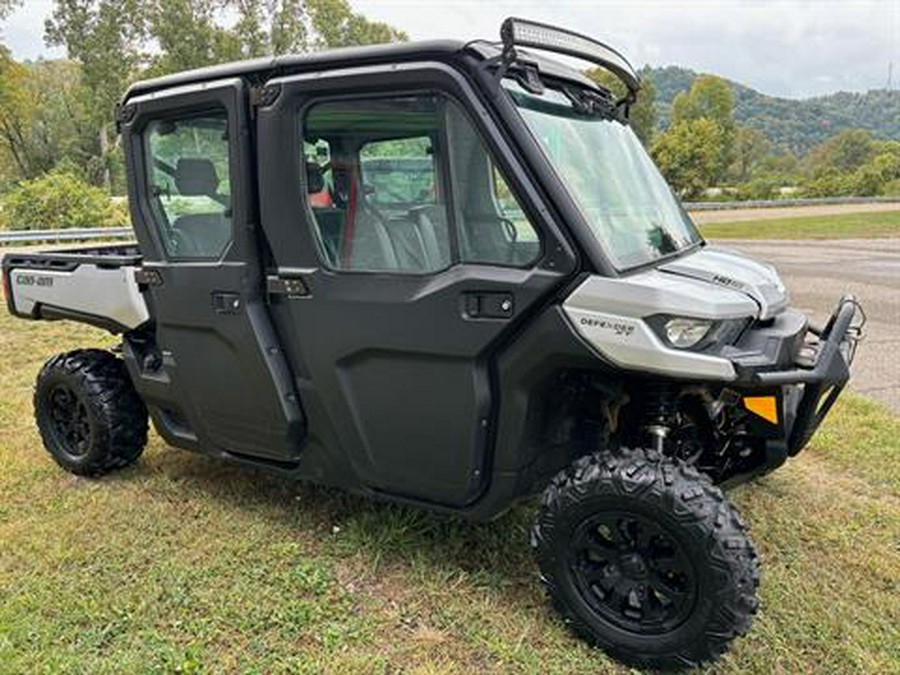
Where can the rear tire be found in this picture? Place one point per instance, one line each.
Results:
(90, 418)
(645, 558)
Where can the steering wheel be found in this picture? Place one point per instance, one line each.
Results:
(512, 235)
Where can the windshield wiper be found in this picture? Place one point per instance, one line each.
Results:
(591, 103)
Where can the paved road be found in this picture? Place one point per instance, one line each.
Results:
(817, 273)
(735, 215)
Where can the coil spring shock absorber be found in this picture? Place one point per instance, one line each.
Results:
(659, 414)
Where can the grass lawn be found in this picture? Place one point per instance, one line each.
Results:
(843, 226)
(185, 564)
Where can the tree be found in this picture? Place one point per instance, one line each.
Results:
(847, 151)
(7, 7)
(337, 25)
(642, 115)
(710, 98)
(40, 116)
(105, 37)
(751, 147)
(268, 27)
(58, 199)
(185, 35)
(116, 41)
(872, 177)
(14, 113)
(852, 163)
(688, 154)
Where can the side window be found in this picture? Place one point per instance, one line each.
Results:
(399, 174)
(404, 177)
(189, 184)
(492, 226)
(519, 227)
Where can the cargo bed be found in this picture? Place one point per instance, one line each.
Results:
(95, 285)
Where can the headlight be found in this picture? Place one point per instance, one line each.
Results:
(685, 333)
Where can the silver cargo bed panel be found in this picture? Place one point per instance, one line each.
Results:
(89, 289)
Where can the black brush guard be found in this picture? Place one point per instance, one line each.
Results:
(823, 380)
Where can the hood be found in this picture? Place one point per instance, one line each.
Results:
(733, 270)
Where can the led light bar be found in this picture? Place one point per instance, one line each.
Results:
(520, 32)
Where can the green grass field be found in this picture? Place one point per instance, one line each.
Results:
(864, 225)
(184, 564)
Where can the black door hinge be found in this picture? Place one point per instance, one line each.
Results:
(124, 114)
(147, 277)
(263, 96)
(286, 286)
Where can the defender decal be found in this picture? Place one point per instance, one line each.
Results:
(617, 327)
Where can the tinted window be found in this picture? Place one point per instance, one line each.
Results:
(399, 173)
(409, 181)
(188, 184)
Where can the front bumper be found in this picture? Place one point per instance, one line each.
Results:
(806, 390)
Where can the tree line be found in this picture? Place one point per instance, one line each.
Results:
(57, 141)
(59, 153)
(704, 147)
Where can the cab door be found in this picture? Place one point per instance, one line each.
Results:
(416, 250)
(211, 368)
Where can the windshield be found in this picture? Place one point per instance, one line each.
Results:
(627, 203)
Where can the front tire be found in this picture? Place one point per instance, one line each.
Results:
(90, 418)
(645, 558)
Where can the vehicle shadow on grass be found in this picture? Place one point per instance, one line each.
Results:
(496, 553)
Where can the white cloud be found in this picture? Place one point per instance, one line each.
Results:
(23, 32)
(782, 47)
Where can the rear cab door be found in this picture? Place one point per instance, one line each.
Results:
(210, 368)
(417, 249)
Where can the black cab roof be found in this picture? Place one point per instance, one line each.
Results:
(262, 69)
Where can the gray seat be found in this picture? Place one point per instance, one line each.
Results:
(201, 234)
(409, 246)
(371, 245)
(196, 176)
(431, 226)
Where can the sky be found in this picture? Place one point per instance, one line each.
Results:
(792, 48)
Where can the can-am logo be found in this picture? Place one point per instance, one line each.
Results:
(31, 280)
(617, 327)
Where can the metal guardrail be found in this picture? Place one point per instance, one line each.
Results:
(785, 203)
(91, 233)
(66, 234)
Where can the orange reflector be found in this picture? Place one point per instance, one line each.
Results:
(764, 406)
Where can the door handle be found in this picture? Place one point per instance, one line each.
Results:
(489, 305)
(226, 302)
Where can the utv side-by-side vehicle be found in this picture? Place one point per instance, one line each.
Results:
(446, 275)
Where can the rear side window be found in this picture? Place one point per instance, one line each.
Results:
(405, 184)
(189, 184)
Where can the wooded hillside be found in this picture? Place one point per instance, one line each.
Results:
(795, 124)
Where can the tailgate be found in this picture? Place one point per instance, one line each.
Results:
(95, 286)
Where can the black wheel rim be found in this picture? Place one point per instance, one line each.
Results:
(68, 418)
(632, 572)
